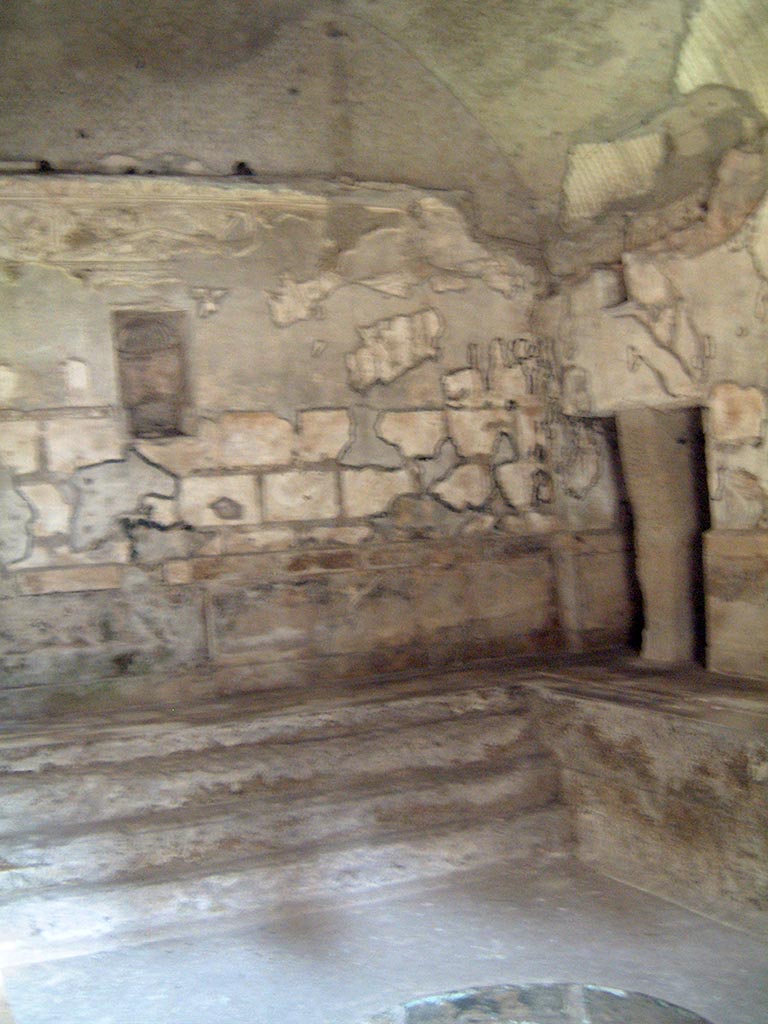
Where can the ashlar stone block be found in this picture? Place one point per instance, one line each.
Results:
(322, 434)
(369, 492)
(70, 443)
(416, 434)
(19, 445)
(52, 513)
(298, 495)
(467, 487)
(219, 500)
(516, 483)
(474, 431)
(254, 439)
(737, 415)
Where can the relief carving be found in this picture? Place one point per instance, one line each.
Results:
(208, 300)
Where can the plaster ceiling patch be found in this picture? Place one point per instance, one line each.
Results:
(727, 44)
(603, 173)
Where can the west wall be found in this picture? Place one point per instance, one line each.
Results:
(255, 435)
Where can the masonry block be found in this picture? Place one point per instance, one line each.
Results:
(369, 492)
(300, 494)
(322, 434)
(19, 445)
(219, 500)
(70, 443)
(254, 439)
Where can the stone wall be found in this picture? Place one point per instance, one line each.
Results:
(683, 324)
(271, 426)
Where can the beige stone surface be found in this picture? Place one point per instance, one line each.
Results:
(52, 512)
(333, 535)
(474, 431)
(254, 439)
(515, 480)
(184, 455)
(737, 415)
(19, 445)
(416, 434)
(60, 581)
(369, 492)
(70, 443)
(467, 487)
(241, 542)
(322, 434)
(300, 494)
(219, 500)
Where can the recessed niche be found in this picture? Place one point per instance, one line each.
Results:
(150, 356)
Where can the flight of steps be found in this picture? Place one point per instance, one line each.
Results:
(139, 824)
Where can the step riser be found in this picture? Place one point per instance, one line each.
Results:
(66, 798)
(107, 743)
(99, 917)
(273, 829)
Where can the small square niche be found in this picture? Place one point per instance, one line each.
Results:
(151, 361)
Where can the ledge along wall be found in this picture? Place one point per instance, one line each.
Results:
(257, 434)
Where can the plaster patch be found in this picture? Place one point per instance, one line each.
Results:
(392, 346)
(111, 490)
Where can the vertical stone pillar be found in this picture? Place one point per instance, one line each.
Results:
(658, 454)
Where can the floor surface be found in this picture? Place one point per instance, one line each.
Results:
(551, 922)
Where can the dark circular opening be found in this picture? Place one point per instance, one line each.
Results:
(539, 1004)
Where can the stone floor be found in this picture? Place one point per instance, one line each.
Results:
(337, 964)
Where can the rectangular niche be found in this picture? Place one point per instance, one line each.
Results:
(152, 369)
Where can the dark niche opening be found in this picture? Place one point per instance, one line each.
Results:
(151, 365)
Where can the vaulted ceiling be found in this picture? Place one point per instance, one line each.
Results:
(508, 99)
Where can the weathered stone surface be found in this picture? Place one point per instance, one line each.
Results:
(516, 483)
(254, 439)
(392, 346)
(737, 415)
(438, 468)
(466, 487)
(416, 434)
(51, 512)
(369, 492)
(111, 490)
(737, 611)
(366, 447)
(199, 496)
(64, 581)
(474, 431)
(185, 455)
(241, 542)
(70, 443)
(322, 434)
(333, 535)
(19, 445)
(646, 281)
(300, 494)
(601, 289)
(15, 516)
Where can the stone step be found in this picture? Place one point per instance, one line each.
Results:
(63, 920)
(273, 827)
(104, 791)
(234, 721)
